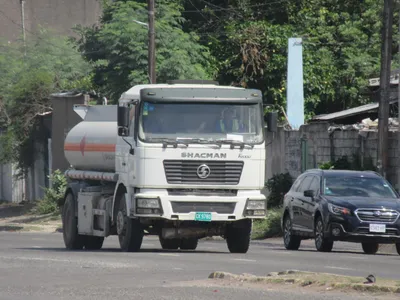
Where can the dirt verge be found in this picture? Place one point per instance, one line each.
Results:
(22, 217)
(320, 281)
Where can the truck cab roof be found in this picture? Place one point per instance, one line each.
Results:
(134, 93)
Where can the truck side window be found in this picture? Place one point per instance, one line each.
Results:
(132, 119)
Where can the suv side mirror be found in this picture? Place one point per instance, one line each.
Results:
(309, 193)
(123, 120)
(271, 118)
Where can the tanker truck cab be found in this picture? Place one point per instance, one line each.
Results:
(188, 163)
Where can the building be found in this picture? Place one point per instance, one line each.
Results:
(59, 15)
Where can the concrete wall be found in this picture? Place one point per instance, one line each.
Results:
(59, 15)
(296, 151)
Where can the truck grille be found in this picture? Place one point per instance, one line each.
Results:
(377, 215)
(203, 172)
(218, 207)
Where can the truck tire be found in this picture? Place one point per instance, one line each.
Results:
(370, 248)
(238, 236)
(189, 244)
(130, 231)
(169, 244)
(93, 242)
(72, 240)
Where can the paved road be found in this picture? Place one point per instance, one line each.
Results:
(36, 266)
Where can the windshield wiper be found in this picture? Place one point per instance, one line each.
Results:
(167, 142)
(234, 143)
(199, 141)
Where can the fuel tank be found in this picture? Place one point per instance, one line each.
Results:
(90, 145)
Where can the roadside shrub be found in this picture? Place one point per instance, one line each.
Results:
(278, 185)
(344, 163)
(269, 227)
(52, 196)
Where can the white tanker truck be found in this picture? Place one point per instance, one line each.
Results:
(164, 162)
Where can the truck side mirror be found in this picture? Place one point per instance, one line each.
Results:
(271, 118)
(123, 120)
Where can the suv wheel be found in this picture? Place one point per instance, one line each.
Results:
(371, 248)
(292, 242)
(321, 242)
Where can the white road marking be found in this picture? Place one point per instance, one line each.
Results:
(148, 245)
(356, 257)
(168, 254)
(178, 269)
(338, 268)
(37, 247)
(244, 259)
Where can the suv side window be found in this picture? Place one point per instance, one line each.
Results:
(297, 183)
(315, 185)
(305, 184)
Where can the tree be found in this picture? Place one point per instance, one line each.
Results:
(341, 46)
(118, 47)
(51, 64)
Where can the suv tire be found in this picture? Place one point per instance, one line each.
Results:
(321, 242)
(291, 241)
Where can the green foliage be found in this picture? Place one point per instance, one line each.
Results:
(269, 227)
(119, 47)
(278, 185)
(344, 163)
(341, 46)
(51, 64)
(54, 195)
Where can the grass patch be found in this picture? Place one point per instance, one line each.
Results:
(269, 227)
(319, 280)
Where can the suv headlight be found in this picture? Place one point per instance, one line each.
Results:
(338, 210)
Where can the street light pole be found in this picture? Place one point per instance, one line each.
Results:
(152, 46)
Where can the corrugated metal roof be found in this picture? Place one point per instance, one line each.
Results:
(349, 112)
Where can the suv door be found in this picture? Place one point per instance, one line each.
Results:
(301, 202)
(298, 202)
(311, 203)
(291, 203)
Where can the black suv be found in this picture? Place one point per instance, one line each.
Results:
(341, 205)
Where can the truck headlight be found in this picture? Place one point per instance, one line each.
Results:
(255, 204)
(147, 203)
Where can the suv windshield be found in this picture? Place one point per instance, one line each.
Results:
(208, 122)
(357, 186)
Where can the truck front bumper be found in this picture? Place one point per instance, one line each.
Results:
(159, 204)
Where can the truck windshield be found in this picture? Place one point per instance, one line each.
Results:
(209, 122)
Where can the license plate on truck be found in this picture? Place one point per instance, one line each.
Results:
(381, 228)
(202, 216)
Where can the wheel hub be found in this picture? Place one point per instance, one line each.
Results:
(120, 222)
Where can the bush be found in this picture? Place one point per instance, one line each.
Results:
(278, 185)
(344, 163)
(269, 227)
(52, 196)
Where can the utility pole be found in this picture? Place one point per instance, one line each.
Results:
(386, 58)
(152, 42)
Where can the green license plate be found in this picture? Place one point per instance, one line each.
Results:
(203, 216)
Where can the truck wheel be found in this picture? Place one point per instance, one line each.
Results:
(169, 244)
(321, 242)
(398, 248)
(94, 242)
(189, 244)
(72, 240)
(370, 248)
(291, 242)
(130, 231)
(238, 236)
